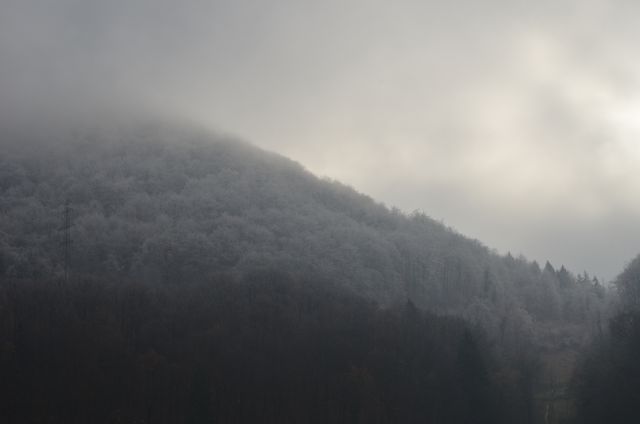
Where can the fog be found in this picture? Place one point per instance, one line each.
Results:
(515, 123)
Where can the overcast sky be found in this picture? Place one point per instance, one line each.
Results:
(515, 122)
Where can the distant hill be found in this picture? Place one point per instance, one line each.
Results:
(159, 273)
(174, 205)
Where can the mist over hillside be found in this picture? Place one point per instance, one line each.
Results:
(173, 205)
(164, 211)
(342, 256)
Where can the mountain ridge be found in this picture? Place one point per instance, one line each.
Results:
(165, 218)
(167, 203)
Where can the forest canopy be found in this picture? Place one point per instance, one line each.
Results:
(198, 271)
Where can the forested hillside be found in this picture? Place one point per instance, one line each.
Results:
(173, 206)
(170, 210)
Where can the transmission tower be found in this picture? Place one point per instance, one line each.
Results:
(67, 240)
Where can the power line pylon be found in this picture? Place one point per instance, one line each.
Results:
(67, 240)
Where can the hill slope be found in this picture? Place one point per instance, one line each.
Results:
(195, 255)
(173, 205)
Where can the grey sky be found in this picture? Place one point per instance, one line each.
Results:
(515, 122)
